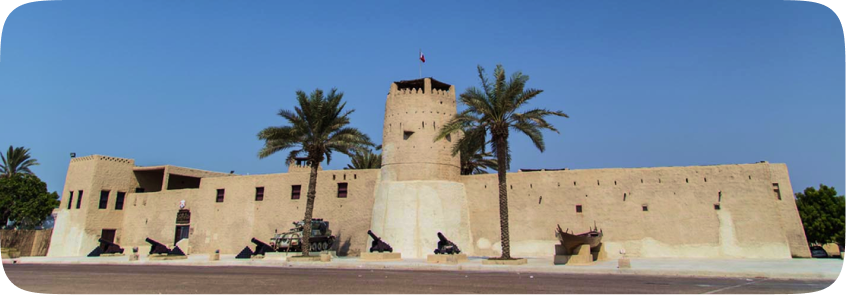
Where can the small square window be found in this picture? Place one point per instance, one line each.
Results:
(295, 192)
(260, 193)
(220, 194)
(578, 208)
(645, 208)
(342, 190)
(121, 197)
(716, 206)
(104, 199)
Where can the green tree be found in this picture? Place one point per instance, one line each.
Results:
(317, 127)
(822, 214)
(474, 159)
(365, 160)
(16, 160)
(25, 201)
(495, 110)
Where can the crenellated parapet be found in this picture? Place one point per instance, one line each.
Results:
(103, 158)
(301, 165)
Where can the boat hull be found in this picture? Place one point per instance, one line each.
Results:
(571, 241)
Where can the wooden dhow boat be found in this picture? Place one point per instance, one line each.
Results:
(572, 241)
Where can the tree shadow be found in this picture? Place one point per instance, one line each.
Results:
(343, 249)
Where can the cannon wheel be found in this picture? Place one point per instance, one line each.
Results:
(324, 246)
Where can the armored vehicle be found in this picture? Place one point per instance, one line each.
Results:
(291, 241)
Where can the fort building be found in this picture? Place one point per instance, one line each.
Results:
(717, 211)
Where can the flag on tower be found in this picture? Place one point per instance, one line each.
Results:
(422, 58)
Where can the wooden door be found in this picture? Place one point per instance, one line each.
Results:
(181, 233)
(107, 235)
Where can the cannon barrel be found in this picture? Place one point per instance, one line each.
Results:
(106, 242)
(261, 247)
(372, 235)
(259, 243)
(157, 248)
(110, 247)
(446, 246)
(378, 245)
(152, 242)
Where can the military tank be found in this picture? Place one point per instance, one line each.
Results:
(321, 237)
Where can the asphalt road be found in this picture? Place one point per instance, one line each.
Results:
(62, 278)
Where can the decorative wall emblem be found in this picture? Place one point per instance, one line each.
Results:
(183, 217)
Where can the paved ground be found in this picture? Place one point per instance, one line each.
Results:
(84, 278)
(725, 268)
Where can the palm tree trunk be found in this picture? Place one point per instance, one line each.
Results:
(312, 192)
(501, 158)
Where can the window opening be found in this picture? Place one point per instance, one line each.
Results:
(260, 193)
(104, 199)
(220, 194)
(342, 190)
(121, 196)
(79, 200)
(295, 192)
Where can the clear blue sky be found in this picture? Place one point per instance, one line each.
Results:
(646, 83)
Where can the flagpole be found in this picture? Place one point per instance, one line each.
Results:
(420, 73)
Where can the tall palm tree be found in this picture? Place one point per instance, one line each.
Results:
(17, 160)
(316, 128)
(494, 110)
(365, 160)
(472, 154)
(476, 161)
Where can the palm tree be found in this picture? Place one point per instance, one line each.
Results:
(495, 110)
(316, 128)
(476, 161)
(17, 160)
(365, 160)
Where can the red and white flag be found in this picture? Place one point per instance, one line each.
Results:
(422, 58)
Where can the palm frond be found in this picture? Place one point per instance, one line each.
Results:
(317, 126)
(365, 160)
(17, 160)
